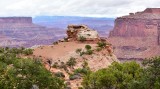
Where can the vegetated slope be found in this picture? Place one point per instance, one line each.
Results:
(19, 72)
(62, 52)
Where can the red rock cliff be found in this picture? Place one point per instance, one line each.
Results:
(137, 36)
(158, 34)
(140, 24)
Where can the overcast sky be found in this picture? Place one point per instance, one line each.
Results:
(92, 8)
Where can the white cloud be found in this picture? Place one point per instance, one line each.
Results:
(99, 8)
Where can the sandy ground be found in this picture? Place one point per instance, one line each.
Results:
(63, 50)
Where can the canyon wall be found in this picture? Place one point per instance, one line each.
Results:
(131, 27)
(137, 31)
(20, 31)
(158, 34)
(140, 24)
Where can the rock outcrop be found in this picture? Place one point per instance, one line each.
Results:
(74, 32)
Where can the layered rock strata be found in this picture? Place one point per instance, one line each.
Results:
(137, 35)
(21, 31)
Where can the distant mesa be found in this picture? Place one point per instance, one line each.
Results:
(21, 31)
(15, 19)
(74, 32)
(17, 23)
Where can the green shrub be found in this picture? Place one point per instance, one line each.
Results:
(82, 38)
(63, 66)
(116, 76)
(81, 71)
(55, 65)
(98, 49)
(20, 73)
(88, 47)
(85, 64)
(6, 48)
(1, 50)
(73, 77)
(71, 62)
(80, 87)
(35, 70)
(28, 51)
(89, 52)
(101, 44)
(82, 53)
(78, 50)
(59, 74)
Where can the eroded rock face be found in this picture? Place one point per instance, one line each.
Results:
(76, 31)
(140, 24)
(137, 35)
(158, 34)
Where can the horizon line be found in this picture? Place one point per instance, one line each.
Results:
(59, 16)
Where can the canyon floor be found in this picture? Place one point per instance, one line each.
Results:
(136, 48)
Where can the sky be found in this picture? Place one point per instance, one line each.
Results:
(89, 8)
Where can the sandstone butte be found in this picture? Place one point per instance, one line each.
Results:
(137, 35)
